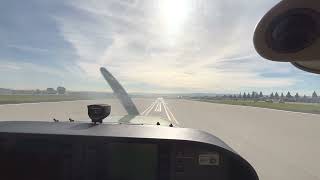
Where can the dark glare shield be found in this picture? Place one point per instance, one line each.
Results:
(309, 66)
(293, 30)
(290, 32)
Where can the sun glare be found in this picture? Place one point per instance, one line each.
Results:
(174, 14)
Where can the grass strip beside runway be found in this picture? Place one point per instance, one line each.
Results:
(295, 107)
(17, 99)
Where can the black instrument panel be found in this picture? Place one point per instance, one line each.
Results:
(84, 157)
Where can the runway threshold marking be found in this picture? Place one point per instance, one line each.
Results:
(154, 104)
(170, 113)
(166, 111)
(147, 108)
(158, 105)
(147, 111)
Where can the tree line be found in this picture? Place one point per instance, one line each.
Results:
(275, 96)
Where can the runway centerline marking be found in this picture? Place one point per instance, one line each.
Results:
(160, 107)
(157, 107)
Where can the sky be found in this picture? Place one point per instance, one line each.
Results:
(153, 46)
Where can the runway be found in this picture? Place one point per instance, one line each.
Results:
(280, 145)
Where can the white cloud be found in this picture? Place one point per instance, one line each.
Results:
(9, 66)
(28, 48)
(131, 40)
(21, 67)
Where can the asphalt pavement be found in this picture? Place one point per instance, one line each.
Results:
(280, 145)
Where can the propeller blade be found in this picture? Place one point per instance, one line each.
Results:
(120, 92)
